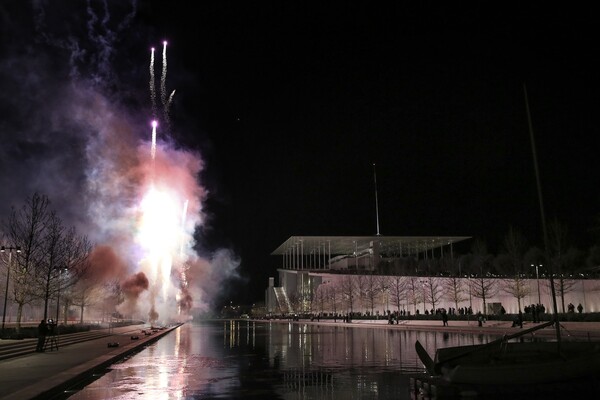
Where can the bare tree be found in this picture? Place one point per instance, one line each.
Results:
(557, 242)
(348, 290)
(398, 287)
(483, 288)
(511, 264)
(332, 292)
(518, 287)
(562, 286)
(113, 296)
(48, 272)
(88, 291)
(320, 297)
(454, 290)
(433, 291)
(371, 288)
(26, 228)
(383, 286)
(82, 295)
(413, 292)
(72, 267)
(77, 252)
(360, 284)
(481, 285)
(295, 301)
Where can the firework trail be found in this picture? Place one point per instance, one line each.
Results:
(183, 218)
(163, 86)
(169, 104)
(153, 147)
(152, 85)
(183, 297)
(162, 232)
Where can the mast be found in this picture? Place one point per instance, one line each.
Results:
(376, 201)
(543, 217)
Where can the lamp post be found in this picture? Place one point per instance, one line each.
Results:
(537, 277)
(386, 302)
(423, 282)
(10, 250)
(583, 290)
(60, 271)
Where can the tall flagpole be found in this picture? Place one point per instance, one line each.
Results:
(376, 200)
(543, 217)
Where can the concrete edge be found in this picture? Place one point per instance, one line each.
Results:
(55, 385)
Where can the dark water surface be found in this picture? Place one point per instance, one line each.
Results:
(277, 360)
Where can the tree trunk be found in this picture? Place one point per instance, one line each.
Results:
(19, 316)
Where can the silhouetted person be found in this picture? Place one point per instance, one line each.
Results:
(444, 318)
(579, 308)
(518, 322)
(42, 332)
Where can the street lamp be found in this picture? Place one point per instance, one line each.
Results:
(537, 276)
(10, 249)
(423, 282)
(60, 271)
(387, 300)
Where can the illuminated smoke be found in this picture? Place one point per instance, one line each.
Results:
(135, 285)
(132, 288)
(106, 264)
(138, 199)
(185, 301)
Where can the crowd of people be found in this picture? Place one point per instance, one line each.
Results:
(571, 308)
(536, 310)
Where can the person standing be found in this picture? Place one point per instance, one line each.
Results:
(42, 332)
(444, 318)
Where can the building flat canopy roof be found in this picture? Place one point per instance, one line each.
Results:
(345, 245)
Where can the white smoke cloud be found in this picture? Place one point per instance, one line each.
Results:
(72, 131)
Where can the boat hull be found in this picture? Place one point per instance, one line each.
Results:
(518, 363)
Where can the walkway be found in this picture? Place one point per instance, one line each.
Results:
(44, 375)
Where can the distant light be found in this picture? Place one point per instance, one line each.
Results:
(154, 124)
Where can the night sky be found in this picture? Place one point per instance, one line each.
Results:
(289, 104)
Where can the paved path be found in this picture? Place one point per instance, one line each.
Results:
(569, 330)
(576, 330)
(43, 375)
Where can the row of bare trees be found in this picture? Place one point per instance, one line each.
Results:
(371, 293)
(53, 262)
(430, 281)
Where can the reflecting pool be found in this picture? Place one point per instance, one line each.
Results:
(273, 360)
